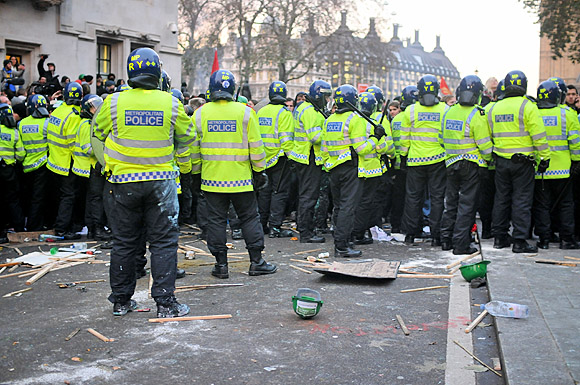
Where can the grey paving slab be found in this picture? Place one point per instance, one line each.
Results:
(545, 348)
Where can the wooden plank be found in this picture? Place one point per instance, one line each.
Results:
(577, 259)
(423, 289)
(10, 264)
(476, 321)
(72, 334)
(307, 251)
(458, 262)
(99, 335)
(477, 359)
(16, 292)
(19, 273)
(18, 251)
(552, 262)
(209, 285)
(403, 326)
(424, 276)
(195, 318)
(41, 273)
(302, 261)
(301, 269)
(405, 271)
(19, 237)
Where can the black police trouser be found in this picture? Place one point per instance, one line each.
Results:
(323, 202)
(346, 188)
(36, 182)
(366, 208)
(195, 196)
(398, 198)
(460, 203)
(272, 204)
(151, 207)
(246, 207)
(202, 211)
(185, 198)
(514, 193)
(419, 178)
(545, 195)
(9, 195)
(576, 194)
(486, 197)
(94, 211)
(68, 187)
(308, 190)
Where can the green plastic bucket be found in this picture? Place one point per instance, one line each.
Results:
(307, 303)
(474, 270)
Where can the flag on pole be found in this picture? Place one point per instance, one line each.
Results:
(444, 88)
(216, 65)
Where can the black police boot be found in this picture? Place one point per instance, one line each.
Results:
(569, 244)
(68, 236)
(122, 308)
(101, 235)
(446, 244)
(436, 242)
(258, 265)
(501, 242)
(277, 232)
(312, 239)
(521, 246)
(543, 244)
(170, 308)
(91, 233)
(409, 239)
(554, 238)
(364, 240)
(467, 251)
(237, 234)
(346, 252)
(180, 273)
(220, 269)
(486, 234)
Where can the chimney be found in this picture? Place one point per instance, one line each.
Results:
(395, 31)
(416, 37)
(343, 18)
(372, 25)
(438, 42)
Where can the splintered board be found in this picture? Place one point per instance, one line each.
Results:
(368, 268)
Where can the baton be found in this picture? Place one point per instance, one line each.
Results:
(323, 113)
(384, 111)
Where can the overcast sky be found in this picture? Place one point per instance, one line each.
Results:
(492, 36)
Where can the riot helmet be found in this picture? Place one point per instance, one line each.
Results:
(319, 93)
(548, 94)
(368, 103)
(6, 116)
(73, 93)
(90, 102)
(516, 83)
(428, 88)
(409, 96)
(345, 97)
(563, 89)
(277, 92)
(222, 85)
(469, 91)
(144, 68)
(37, 106)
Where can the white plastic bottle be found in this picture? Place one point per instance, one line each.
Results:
(506, 309)
(79, 246)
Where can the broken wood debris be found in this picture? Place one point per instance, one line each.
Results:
(574, 258)
(307, 251)
(99, 335)
(458, 262)
(301, 269)
(424, 275)
(423, 288)
(64, 285)
(181, 289)
(477, 359)
(16, 292)
(72, 334)
(8, 264)
(403, 326)
(476, 321)
(195, 318)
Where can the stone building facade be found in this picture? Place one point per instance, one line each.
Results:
(88, 37)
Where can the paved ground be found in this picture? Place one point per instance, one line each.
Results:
(354, 340)
(545, 348)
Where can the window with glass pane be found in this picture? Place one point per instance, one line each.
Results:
(103, 58)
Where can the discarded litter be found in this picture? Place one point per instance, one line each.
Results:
(307, 303)
(506, 309)
(190, 254)
(474, 270)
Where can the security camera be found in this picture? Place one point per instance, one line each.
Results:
(173, 28)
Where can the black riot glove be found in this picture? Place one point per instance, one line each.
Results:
(403, 163)
(543, 166)
(379, 132)
(260, 180)
(575, 169)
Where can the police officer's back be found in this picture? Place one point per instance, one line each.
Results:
(233, 160)
(139, 127)
(519, 138)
